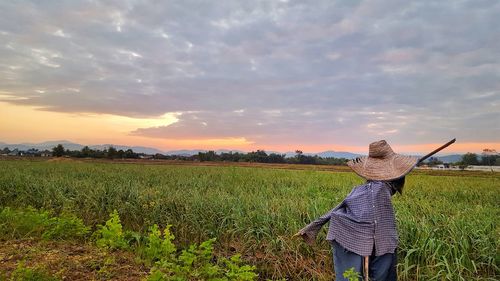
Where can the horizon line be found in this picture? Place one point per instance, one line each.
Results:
(235, 149)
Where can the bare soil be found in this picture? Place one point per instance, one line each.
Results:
(69, 260)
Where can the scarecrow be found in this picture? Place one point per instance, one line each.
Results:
(362, 229)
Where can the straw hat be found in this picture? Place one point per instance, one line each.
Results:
(382, 163)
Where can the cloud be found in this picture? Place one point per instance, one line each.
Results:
(301, 73)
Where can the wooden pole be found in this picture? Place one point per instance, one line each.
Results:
(366, 268)
(436, 150)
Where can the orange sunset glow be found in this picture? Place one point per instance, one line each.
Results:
(21, 123)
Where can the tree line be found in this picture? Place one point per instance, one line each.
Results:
(489, 157)
(259, 156)
(87, 152)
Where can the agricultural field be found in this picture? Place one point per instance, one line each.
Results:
(447, 222)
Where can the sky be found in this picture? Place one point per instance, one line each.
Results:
(246, 75)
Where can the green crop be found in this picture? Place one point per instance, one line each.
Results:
(447, 223)
(22, 223)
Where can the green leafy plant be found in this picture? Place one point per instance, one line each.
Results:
(22, 223)
(111, 235)
(195, 263)
(235, 270)
(351, 274)
(29, 222)
(66, 226)
(133, 238)
(158, 248)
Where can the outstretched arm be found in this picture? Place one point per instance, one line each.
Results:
(310, 231)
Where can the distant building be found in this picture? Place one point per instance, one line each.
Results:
(46, 154)
(32, 152)
(468, 168)
(483, 168)
(144, 156)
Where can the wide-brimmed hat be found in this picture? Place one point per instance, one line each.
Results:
(382, 163)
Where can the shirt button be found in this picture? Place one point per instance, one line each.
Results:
(375, 221)
(373, 206)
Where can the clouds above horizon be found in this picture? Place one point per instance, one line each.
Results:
(312, 72)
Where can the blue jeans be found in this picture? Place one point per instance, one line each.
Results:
(381, 268)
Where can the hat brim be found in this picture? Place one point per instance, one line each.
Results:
(389, 168)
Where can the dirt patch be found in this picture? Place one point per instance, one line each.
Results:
(63, 159)
(70, 260)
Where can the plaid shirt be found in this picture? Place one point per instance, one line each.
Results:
(364, 220)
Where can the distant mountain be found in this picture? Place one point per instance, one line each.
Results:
(451, 158)
(191, 152)
(229, 150)
(48, 145)
(338, 154)
(138, 149)
(326, 154)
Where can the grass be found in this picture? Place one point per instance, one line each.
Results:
(447, 224)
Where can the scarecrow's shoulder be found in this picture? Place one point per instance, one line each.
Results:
(378, 183)
(369, 185)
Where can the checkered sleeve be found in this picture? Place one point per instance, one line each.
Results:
(310, 231)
